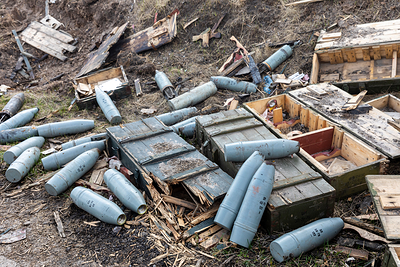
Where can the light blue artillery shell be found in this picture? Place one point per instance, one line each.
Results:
(98, 206)
(253, 205)
(188, 129)
(126, 192)
(193, 97)
(306, 238)
(72, 172)
(14, 152)
(65, 127)
(56, 160)
(107, 106)
(22, 165)
(234, 85)
(173, 117)
(278, 57)
(162, 80)
(19, 119)
(229, 207)
(181, 124)
(17, 134)
(83, 140)
(271, 149)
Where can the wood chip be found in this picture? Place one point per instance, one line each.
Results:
(351, 252)
(60, 227)
(365, 234)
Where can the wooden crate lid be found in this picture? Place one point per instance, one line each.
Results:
(169, 159)
(382, 188)
(362, 35)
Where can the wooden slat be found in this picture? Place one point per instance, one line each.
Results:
(317, 90)
(278, 117)
(390, 201)
(304, 116)
(339, 56)
(45, 49)
(51, 32)
(394, 64)
(177, 201)
(333, 77)
(315, 69)
(353, 150)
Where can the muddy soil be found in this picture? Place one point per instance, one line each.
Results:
(253, 23)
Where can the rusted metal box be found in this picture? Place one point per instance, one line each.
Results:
(364, 56)
(119, 86)
(300, 194)
(392, 256)
(341, 158)
(153, 152)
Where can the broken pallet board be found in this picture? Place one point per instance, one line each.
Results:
(48, 40)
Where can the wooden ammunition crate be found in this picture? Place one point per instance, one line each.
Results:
(392, 256)
(153, 152)
(363, 57)
(340, 157)
(300, 194)
(93, 79)
(388, 104)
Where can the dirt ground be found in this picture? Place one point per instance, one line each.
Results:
(253, 23)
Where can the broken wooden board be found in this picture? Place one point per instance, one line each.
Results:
(351, 252)
(353, 102)
(13, 236)
(317, 90)
(161, 33)
(365, 234)
(97, 58)
(48, 40)
(386, 185)
(97, 176)
(390, 201)
(372, 128)
(156, 151)
(214, 239)
(296, 185)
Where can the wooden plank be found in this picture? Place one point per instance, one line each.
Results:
(45, 49)
(317, 89)
(51, 32)
(314, 69)
(333, 77)
(351, 56)
(366, 54)
(179, 202)
(394, 64)
(394, 103)
(321, 123)
(389, 51)
(213, 240)
(304, 116)
(278, 117)
(209, 232)
(315, 141)
(233, 104)
(313, 121)
(353, 102)
(351, 252)
(356, 152)
(380, 102)
(394, 124)
(97, 176)
(206, 215)
(389, 201)
(199, 228)
(337, 138)
(377, 52)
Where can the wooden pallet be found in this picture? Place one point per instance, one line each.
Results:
(48, 40)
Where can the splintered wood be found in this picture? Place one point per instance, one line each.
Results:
(48, 40)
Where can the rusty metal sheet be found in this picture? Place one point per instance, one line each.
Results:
(98, 57)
